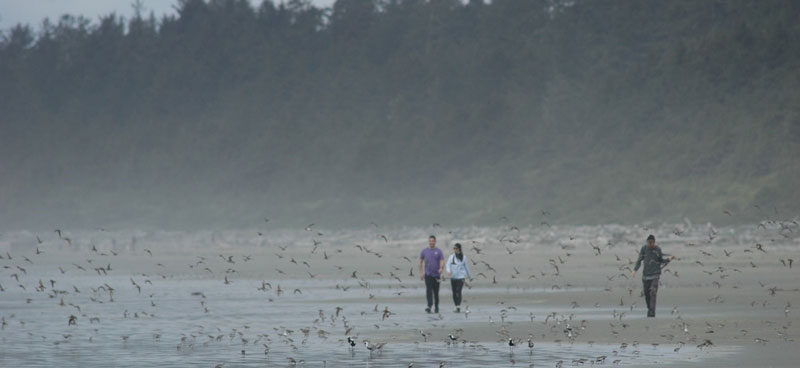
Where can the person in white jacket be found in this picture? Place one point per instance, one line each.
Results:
(458, 269)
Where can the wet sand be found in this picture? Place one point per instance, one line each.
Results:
(739, 298)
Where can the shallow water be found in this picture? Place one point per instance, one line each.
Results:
(178, 331)
(185, 316)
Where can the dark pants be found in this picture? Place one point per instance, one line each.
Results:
(432, 290)
(457, 285)
(650, 292)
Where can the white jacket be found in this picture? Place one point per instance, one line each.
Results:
(457, 269)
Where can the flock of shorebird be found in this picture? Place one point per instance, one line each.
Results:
(564, 324)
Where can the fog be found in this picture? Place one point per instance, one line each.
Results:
(232, 183)
(13, 12)
(402, 113)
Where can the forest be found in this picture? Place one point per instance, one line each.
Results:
(403, 112)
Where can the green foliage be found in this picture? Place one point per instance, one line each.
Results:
(405, 112)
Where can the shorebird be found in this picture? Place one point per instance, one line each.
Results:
(424, 335)
(371, 348)
(386, 313)
(705, 344)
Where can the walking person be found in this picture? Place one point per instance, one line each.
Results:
(458, 269)
(431, 263)
(653, 260)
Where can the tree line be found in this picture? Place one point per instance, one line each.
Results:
(405, 111)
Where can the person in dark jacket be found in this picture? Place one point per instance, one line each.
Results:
(653, 260)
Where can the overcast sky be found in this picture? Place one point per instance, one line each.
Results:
(34, 11)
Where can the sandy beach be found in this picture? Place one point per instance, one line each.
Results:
(213, 297)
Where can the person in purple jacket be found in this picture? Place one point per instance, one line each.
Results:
(431, 263)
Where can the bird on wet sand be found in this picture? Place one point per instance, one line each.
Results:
(374, 347)
(511, 344)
